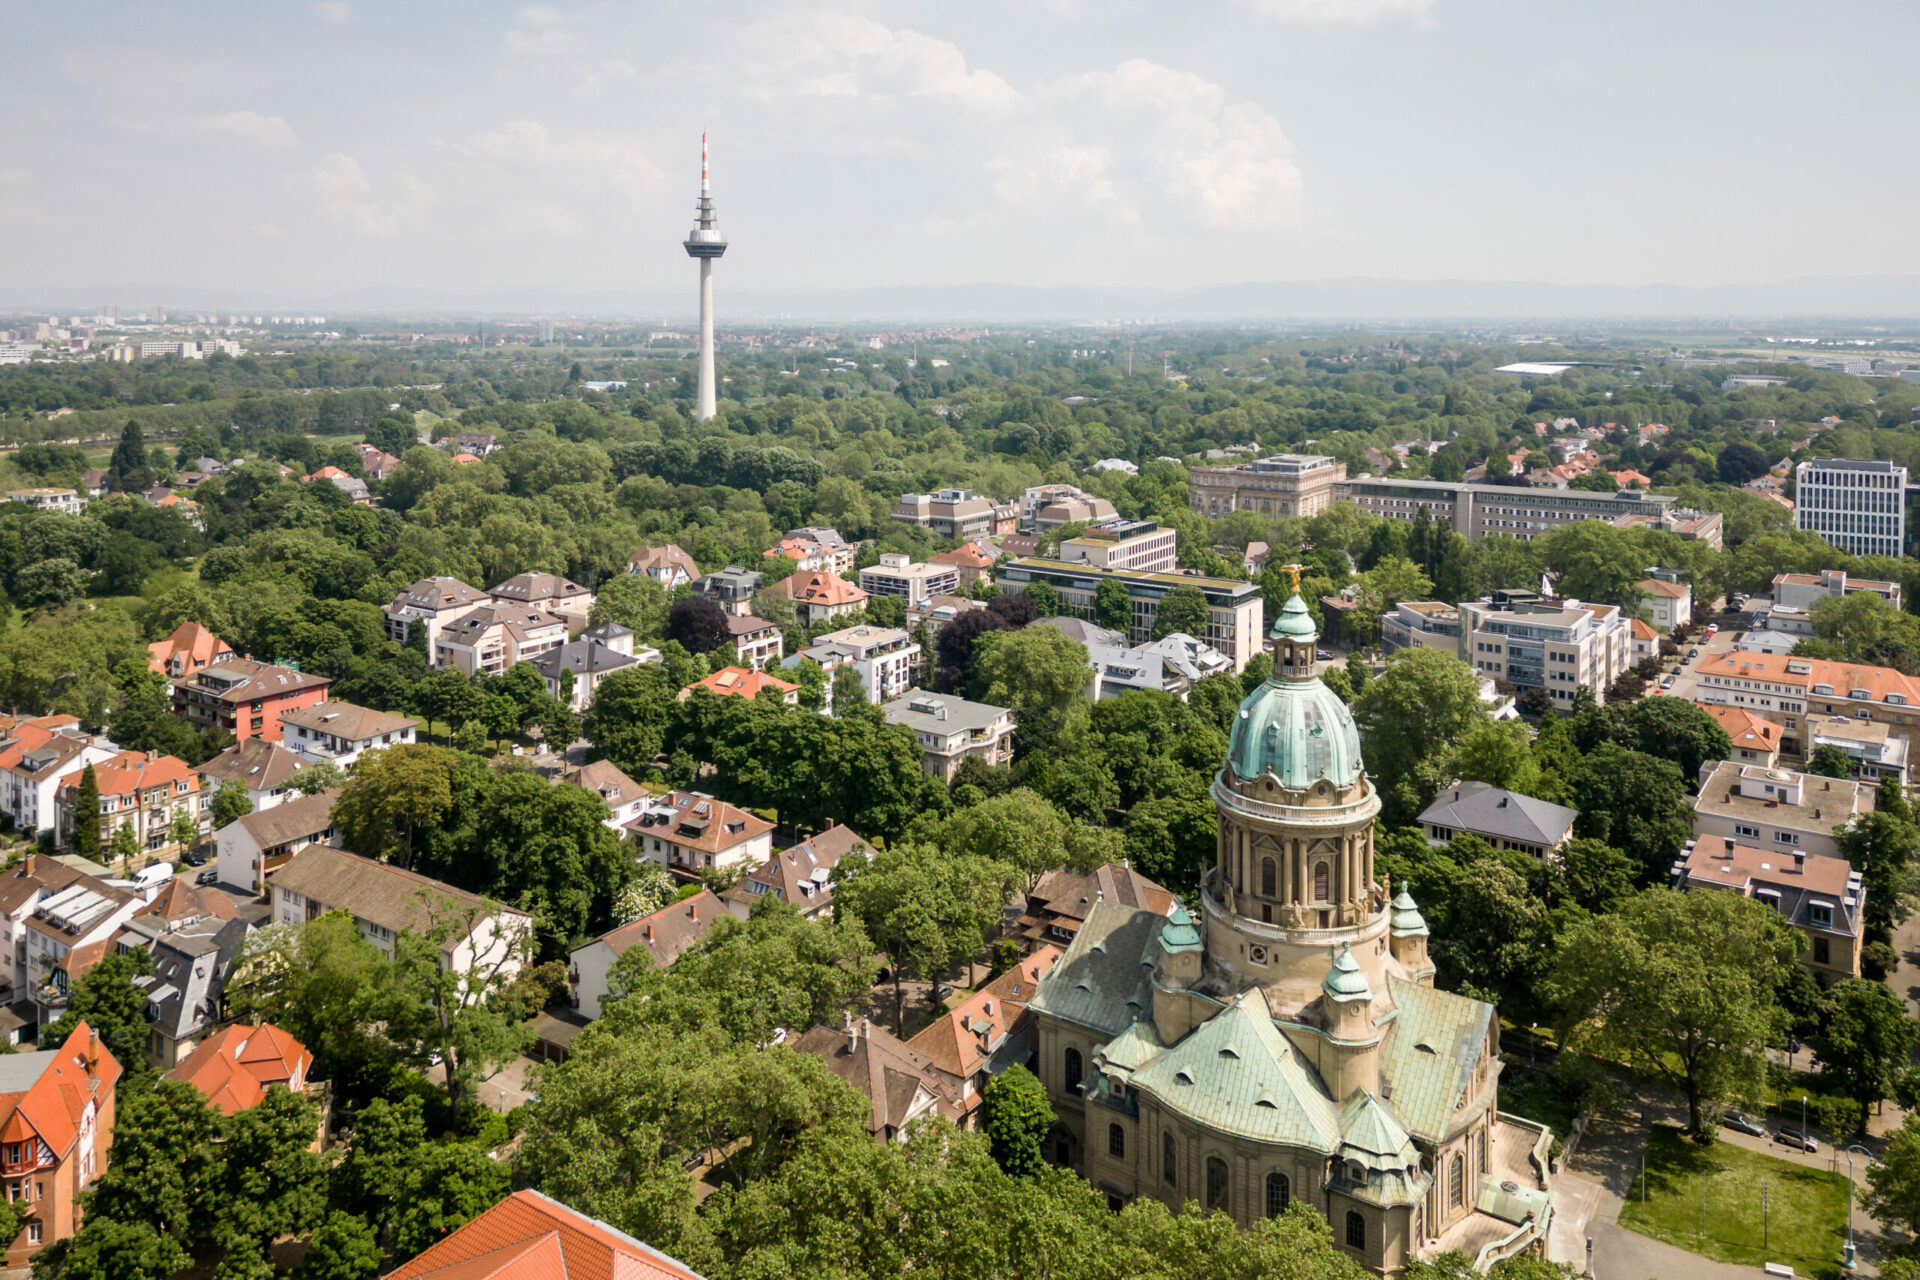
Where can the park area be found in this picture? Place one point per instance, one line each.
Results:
(1708, 1200)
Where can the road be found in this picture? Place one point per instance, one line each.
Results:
(1688, 682)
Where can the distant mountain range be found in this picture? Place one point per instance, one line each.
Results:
(1356, 298)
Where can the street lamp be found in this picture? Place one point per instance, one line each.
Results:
(1533, 1045)
(1846, 1255)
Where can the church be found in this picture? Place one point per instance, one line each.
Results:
(1289, 1042)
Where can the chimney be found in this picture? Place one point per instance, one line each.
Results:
(93, 1054)
(646, 931)
(693, 911)
(31, 864)
(1799, 862)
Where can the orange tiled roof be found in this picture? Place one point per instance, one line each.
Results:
(529, 1236)
(740, 682)
(131, 772)
(234, 1066)
(1844, 677)
(1745, 728)
(191, 641)
(821, 588)
(52, 1106)
(1644, 630)
(1660, 587)
(970, 555)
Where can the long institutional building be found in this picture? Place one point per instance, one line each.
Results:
(1858, 506)
(1526, 639)
(1235, 610)
(1291, 484)
(1285, 1043)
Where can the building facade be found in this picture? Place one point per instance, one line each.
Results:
(1822, 898)
(1804, 590)
(896, 575)
(1234, 608)
(246, 698)
(1285, 1046)
(1858, 506)
(1140, 545)
(1476, 510)
(951, 729)
(1535, 642)
(1286, 484)
(951, 513)
(1788, 690)
(1776, 809)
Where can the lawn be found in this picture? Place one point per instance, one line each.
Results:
(1807, 1209)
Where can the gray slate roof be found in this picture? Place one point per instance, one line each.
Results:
(1104, 979)
(1493, 812)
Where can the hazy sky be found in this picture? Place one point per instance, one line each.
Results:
(294, 151)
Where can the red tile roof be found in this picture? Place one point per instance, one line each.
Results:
(234, 1066)
(529, 1236)
(668, 931)
(191, 642)
(818, 587)
(740, 682)
(1745, 728)
(79, 1072)
(132, 772)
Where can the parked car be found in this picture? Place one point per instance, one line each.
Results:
(210, 876)
(1713, 628)
(1667, 683)
(1692, 654)
(1741, 1122)
(195, 858)
(1794, 1138)
(1325, 655)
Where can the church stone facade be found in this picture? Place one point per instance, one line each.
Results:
(1289, 1043)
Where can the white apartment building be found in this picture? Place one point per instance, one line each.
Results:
(1235, 608)
(34, 756)
(896, 575)
(1776, 809)
(885, 657)
(65, 501)
(1804, 590)
(431, 603)
(1858, 506)
(1140, 545)
(342, 732)
(695, 832)
(951, 729)
(1669, 603)
(494, 637)
(1536, 642)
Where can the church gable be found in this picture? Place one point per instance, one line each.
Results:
(1104, 980)
(1237, 1073)
(1432, 1051)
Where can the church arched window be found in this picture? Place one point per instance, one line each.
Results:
(1356, 1230)
(1269, 877)
(1321, 886)
(1075, 1072)
(1168, 1158)
(1457, 1182)
(1216, 1182)
(1277, 1196)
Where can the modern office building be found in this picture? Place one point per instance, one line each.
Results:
(1858, 506)
(1476, 510)
(1285, 484)
(1538, 642)
(1804, 590)
(1235, 610)
(955, 513)
(1123, 544)
(897, 575)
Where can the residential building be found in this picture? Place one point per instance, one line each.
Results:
(1756, 740)
(949, 513)
(69, 931)
(528, 1236)
(1766, 641)
(1284, 484)
(1477, 510)
(1876, 751)
(430, 603)
(353, 486)
(1858, 506)
(1504, 819)
(811, 555)
(982, 1036)
(253, 847)
(819, 596)
(899, 1084)
(236, 1066)
(264, 770)
(186, 992)
(1646, 641)
(64, 501)
(386, 902)
(951, 729)
(341, 732)
(693, 832)
(1234, 607)
(897, 575)
(34, 756)
(246, 698)
(1804, 590)
(668, 565)
(1786, 620)
(740, 682)
(190, 648)
(798, 876)
(143, 790)
(1683, 522)
(1786, 690)
(624, 797)
(477, 443)
(375, 462)
(830, 541)
(973, 561)
(1421, 624)
(93, 482)
(494, 637)
(596, 655)
(56, 1115)
(1046, 507)
(1286, 1044)
(1822, 898)
(1776, 808)
(1140, 545)
(1537, 642)
(732, 588)
(548, 592)
(936, 612)
(1172, 664)
(757, 643)
(664, 934)
(1669, 602)
(886, 658)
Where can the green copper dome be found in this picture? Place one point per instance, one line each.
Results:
(1407, 919)
(1295, 726)
(1345, 981)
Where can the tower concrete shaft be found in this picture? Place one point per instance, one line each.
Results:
(705, 243)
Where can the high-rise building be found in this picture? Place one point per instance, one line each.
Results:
(705, 243)
(1858, 506)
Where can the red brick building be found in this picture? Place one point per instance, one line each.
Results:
(246, 698)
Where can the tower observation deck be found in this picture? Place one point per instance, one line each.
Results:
(705, 242)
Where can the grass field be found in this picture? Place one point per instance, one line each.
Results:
(1806, 1208)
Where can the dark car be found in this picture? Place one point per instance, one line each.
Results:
(1741, 1122)
(195, 858)
(1692, 654)
(1794, 1138)
(1325, 655)
(210, 876)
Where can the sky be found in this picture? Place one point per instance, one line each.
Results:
(293, 152)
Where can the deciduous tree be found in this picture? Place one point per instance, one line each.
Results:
(1017, 1119)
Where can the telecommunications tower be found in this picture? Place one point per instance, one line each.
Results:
(705, 243)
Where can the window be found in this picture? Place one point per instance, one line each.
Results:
(1116, 1142)
(1074, 1071)
(1269, 877)
(1457, 1182)
(1822, 953)
(1786, 837)
(1820, 914)
(33, 1233)
(1277, 1196)
(1320, 875)
(1356, 1230)
(1216, 1182)
(1168, 1159)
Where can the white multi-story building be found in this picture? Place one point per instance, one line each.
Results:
(1776, 809)
(1141, 545)
(65, 501)
(1858, 506)
(897, 575)
(886, 658)
(1804, 590)
(1535, 642)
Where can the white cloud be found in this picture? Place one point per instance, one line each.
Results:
(17, 176)
(596, 76)
(337, 12)
(269, 231)
(251, 126)
(593, 160)
(1327, 13)
(842, 56)
(541, 29)
(1178, 137)
(345, 192)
